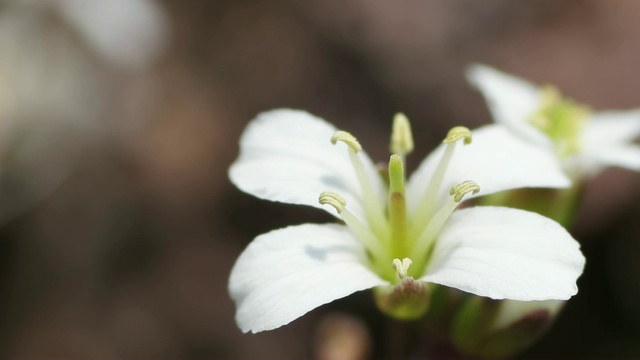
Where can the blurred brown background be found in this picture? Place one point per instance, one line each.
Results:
(119, 225)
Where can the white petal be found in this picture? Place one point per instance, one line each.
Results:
(511, 100)
(286, 273)
(129, 33)
(606, 141)
(505, 253)
(590, 161)
(496, 161)
(611, 128)
(287, 156)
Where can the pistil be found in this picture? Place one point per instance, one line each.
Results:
(397, 207)
(401, 267)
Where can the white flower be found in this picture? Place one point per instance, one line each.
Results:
(583, 142)
(286, 156)
(126, 33)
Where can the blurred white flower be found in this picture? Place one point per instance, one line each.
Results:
(397, 239)
(54, 99)
(126, 33)
(129, 33)
(583, 142)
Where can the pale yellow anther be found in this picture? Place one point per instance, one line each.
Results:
(346, 138)
(458, 133)
(333, 199)
(401, 267)
(462, 189)
(401, 136)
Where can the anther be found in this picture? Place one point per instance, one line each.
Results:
(401, 267)
(462, 189)
(346, 138)
(458, 133)
(333, 199)
(401, 136)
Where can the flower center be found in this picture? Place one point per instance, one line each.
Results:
(388, 233)
(562, 120)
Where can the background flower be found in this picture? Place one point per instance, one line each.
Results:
(53, 94)
(584, 141)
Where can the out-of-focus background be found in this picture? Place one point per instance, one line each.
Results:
(119, 119)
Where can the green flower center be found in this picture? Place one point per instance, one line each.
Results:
(388, 231)
(562, 120)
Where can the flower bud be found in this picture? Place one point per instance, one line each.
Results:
(489, 328)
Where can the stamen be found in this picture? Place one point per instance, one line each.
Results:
(458, 133)
(333, 199)
(362, 232)
(427, 204)
(401, 267)
(465, 187)
(428, 236)
(370, 199)
(401, 136)
(348, 139)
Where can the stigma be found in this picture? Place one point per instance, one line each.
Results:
(401, 267)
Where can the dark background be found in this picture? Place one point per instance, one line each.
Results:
(119, 231)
